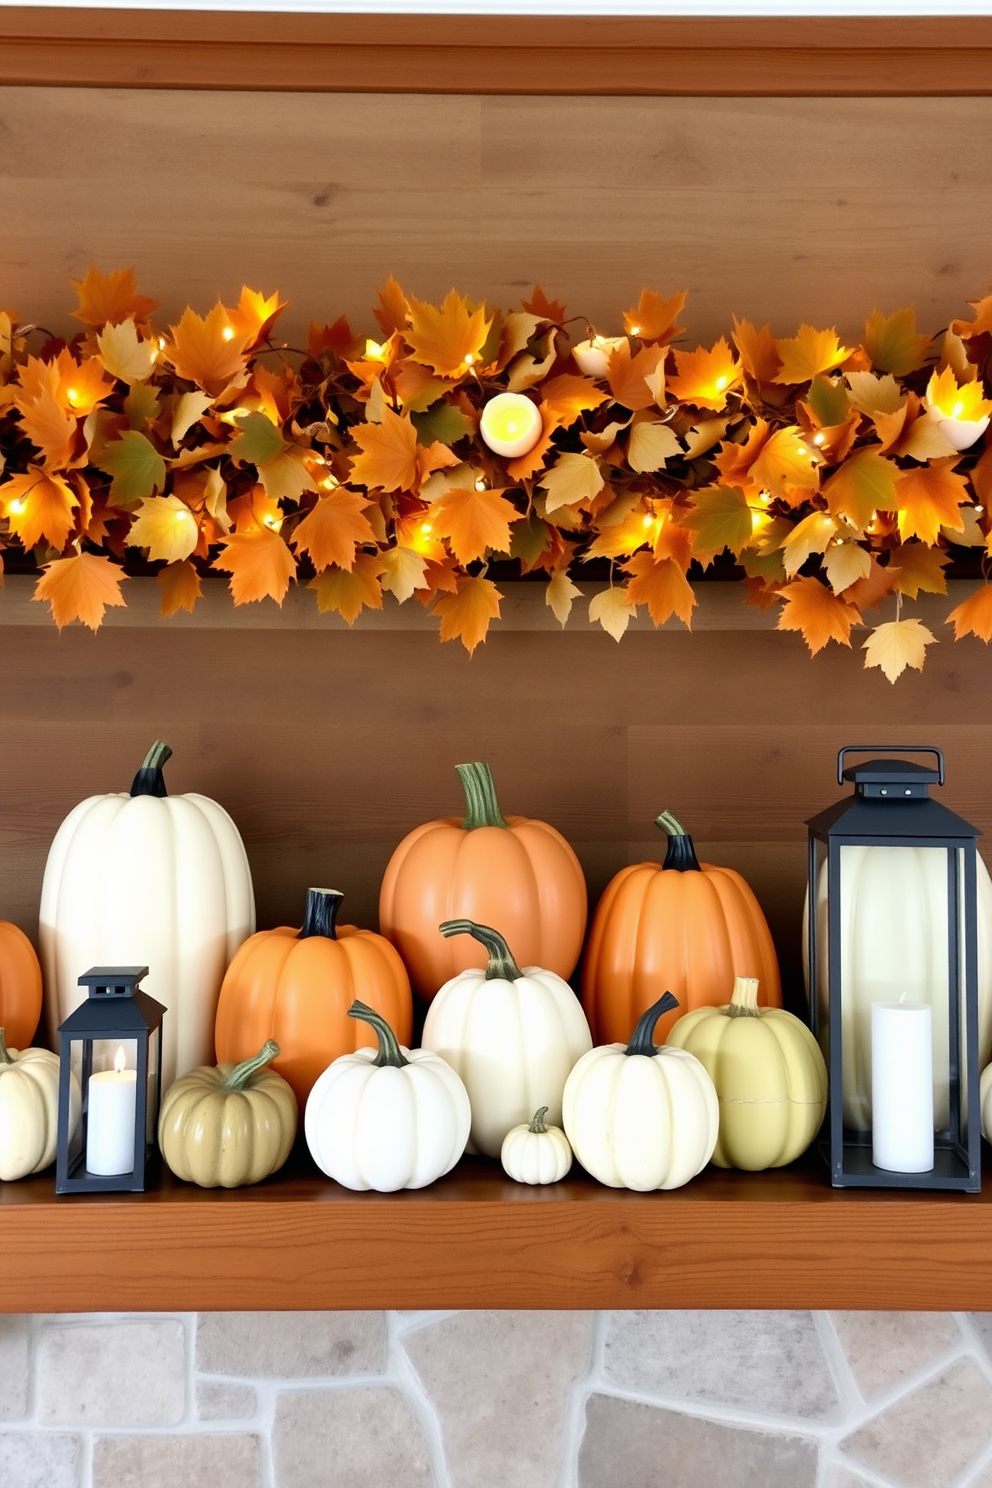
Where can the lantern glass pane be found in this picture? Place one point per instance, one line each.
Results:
(151, 1109)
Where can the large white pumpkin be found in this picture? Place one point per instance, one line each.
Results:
(148, 879)
(512, 1035)
(639, 1116)
(894, 943)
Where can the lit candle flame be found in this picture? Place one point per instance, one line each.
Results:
(119, 1059)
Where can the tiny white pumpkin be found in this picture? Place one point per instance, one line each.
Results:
(512, 1035)
(640, 1116)
(29, 1109)
(535, 1153)
(389, 1118)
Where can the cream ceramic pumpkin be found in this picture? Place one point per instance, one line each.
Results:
(148, 879)
(29, 1109)
(535, 1153)
(512, 1035)
(640, 1116)
(387, 1119)
(769, 1075)
(985, 1100)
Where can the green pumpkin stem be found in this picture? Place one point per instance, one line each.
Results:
(321, 913)
(744, 1002)
(389, 1045)
(642, 1038)
(4, 1055)
(241, 1074)
(149, 780)
(681, 854)
(537, 1125)
(502, 966)
(481, 805)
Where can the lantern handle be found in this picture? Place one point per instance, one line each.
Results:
(890, 749)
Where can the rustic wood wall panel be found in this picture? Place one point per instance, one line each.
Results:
(772, 208)
(326, 748)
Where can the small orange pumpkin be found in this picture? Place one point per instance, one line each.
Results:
(514, 872)
(296, 986)
(20, 986)
(683, 927)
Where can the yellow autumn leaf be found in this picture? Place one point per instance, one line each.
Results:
(613, 609)
(704, 378)
(811, 535)
(189, 409)
(80, 588)
(448, 339)
(897, 645)
(892, 343)
(560, 595)
(403, 572)
(651, 444)
(808, 353)
(844, 563)
(574, 478)
(466, 613)
(180, 585)
(349, 591)
(919, 567)
(951, 401)
(872, 395)
(166, 527)
(125, 354)
(786, 464)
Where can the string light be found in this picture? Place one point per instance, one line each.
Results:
(480, 483)
(228, 333)
(470, 360)
(16, 506)
(375, 351)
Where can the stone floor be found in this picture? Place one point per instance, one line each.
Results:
(497, 1400)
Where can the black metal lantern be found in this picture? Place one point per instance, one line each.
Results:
(892, 955)
(112, 1044)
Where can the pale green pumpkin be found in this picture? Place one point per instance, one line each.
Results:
(770, 1078)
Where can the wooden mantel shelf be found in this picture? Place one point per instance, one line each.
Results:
(775, 1240)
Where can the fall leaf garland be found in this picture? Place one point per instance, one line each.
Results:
(838, 477)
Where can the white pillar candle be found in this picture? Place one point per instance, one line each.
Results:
(511, 424)
(110, 1120)
(902, 1086)
(593, 357)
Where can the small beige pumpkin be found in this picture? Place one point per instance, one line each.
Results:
(769, 1074)
(227, 1125)
(985, 1101)
(535, 1153)
(29, 1109)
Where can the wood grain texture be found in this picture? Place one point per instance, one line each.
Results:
(499, 54)
(475, 1239)
(774, 209)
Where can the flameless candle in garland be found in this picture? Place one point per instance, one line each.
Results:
(511, 425)
(593, 356)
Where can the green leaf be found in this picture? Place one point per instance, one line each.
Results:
(764, 565)
(829, 400)
(443, 422)
(864, 484)
(137, 468)
(720, 518)
(892, 343)
(529, 540)
(141, 405)
(258, 441)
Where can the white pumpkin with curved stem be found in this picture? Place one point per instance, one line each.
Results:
(389, 1118)
(639, 1116)
(512, 1035)
(535, 1153)
(29, 1109)
(148, 879)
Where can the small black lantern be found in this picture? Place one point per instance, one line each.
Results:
(113, 1044)
(892, 945)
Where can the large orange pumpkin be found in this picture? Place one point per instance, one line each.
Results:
(20, 986)
(296, 986)
(683, 927)
(514, 872)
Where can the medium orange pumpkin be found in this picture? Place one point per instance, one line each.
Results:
(514, 872)
(683, 927)
(20, 986)
(296, 986)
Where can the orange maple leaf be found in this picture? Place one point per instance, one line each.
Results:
(628, 376)
(653, 319)
(339, 338)
(349, 591)
(892, 344)
(448, 339)
(52, 429)
(973, 616)
(465, 615)
(180, 585)
(436, 456)
(758, 352)
(877, 584)
(112, 298)
(545, 309)
(394, 308)
(704, 378)
(813, 609)
(333, 529)
(254, 315)
(38, 506)
(787, 466)
(80, 588)
(734, 460)
(388, 459)
(208, 350)
(809, 352)
(524, 466)
(982, 322)
(473, 522)
(260, 565)
(663, 587)
(929, 497)
(566, 396)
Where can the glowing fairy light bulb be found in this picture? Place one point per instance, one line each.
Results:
(375, 351)
(16, 507)
(480, 483)
(228, 333)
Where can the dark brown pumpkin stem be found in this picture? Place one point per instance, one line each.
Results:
(321, 914)
(537, 1125)
(481, 805)
(642, 1038)
(241, 1074)
(681, 854)
(4, 1056)
(389, 1045)
(149, 780)
(502, 966)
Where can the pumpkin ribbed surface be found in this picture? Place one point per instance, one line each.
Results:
(223, 1137)
(20, 986)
